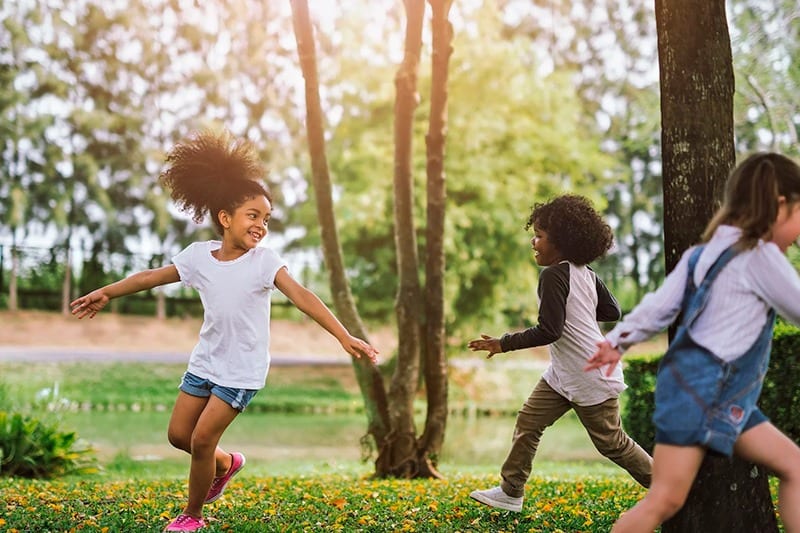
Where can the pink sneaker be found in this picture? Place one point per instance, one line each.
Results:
(219, 483)
(184, 522)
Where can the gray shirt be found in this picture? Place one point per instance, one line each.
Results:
(571, 301)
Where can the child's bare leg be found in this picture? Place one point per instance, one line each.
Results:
(184, 418)
(213, 421)
(674, 470)
(764, 444)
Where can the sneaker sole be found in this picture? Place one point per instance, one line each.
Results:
(494, 503)
(218, 496)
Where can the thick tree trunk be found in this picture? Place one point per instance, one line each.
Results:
(369, 379)
(719, 482)
(435, 367)
(698, 153)
(697, 86)
(400, 451)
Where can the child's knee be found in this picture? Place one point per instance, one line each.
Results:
(790, 470)
(665, 503)
(179, 441)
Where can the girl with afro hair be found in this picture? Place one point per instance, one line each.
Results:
(568, 235)
(212, 174)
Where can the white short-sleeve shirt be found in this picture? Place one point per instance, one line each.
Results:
(233, 349)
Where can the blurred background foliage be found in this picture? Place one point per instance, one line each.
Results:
(545, 97)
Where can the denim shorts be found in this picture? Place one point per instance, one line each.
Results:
(702, 400)
(197, 386)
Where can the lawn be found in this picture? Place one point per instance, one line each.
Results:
(322, 502)
(303, 471)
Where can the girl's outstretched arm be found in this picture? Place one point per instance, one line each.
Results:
(310, 304)
(93, 302)
(605, 355)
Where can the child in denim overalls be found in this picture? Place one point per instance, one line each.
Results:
(727, 292)
(568, 235)
(213, 174)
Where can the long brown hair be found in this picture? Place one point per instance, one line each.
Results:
(751, 196)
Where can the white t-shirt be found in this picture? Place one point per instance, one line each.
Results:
(233, 349)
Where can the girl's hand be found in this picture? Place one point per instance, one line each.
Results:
(605, 355)
(490, 344)
(89, 304)
(356, 347)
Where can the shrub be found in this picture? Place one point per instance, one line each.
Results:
(32, 448)
(637, 411)
(780, 397)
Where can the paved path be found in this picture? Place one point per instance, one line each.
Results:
(72, 354)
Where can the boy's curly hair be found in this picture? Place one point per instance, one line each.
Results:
(573, 227)
(211, 172)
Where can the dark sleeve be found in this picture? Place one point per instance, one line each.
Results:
(608, 309)
(553, 291)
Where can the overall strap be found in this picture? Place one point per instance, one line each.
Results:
(695, 297)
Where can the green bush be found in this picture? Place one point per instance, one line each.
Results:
(780, 397)
(637, 411)
(32, 448)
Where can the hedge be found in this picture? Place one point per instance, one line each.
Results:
(780, 397)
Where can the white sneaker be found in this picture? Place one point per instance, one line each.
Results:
(497, 498)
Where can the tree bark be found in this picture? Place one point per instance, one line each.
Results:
(13, 293)
(400, 450)
(435, 367)
(697, 83)
(369, 378)
(66, 283)
(696, 73)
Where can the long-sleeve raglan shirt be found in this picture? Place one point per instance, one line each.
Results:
(572, 299)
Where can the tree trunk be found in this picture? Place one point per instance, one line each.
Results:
(435, 367)
(66, 284)
(369, 378)
(696, 70)
(161, 304)
(697, 84)
(400, 450)
(13, 296)
(720, 481)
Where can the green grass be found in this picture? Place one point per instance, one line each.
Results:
(496, 387)
(154, 386)
(323, 502)
(303, 471)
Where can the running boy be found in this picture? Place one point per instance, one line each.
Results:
(568, 235)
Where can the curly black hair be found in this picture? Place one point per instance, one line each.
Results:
(211, 172)
(573, 227)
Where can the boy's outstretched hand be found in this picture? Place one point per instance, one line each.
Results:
(89, 304)
(605, 355)
(490, 344)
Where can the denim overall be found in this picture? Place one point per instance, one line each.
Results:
(701, 399)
